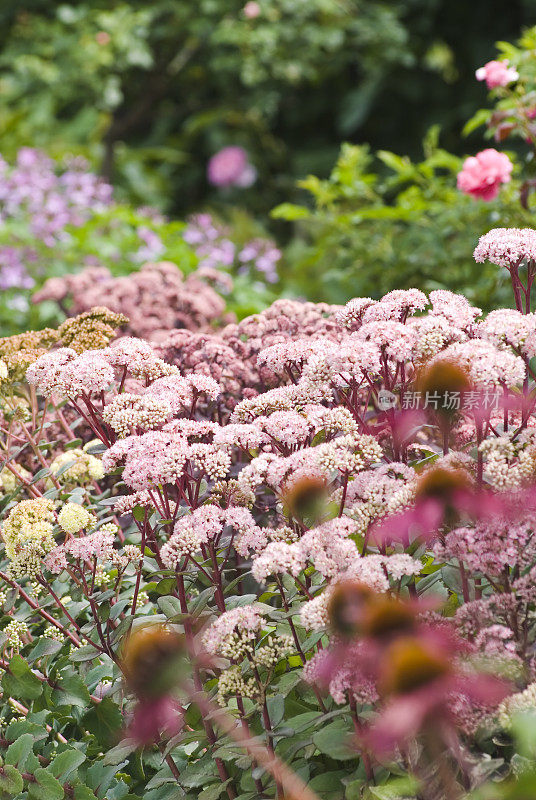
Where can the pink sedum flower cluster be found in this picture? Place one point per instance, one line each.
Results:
(156, 299)
(340, 494)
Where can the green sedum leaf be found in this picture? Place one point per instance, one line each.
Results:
(46, 787)
(11, 782)
(20, 682)
(66, 763)
(19, 750)
(334, 740)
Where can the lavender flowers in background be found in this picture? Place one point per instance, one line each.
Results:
(215, 249)
(39, 203)
(32, 189)
(13, 273)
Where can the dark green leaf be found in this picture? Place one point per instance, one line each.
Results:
(334, 741)
(11, 782)
(18, 752)
(214, 791)
(66, 763)
(20, 682)
(166, 586)
(46, 787)
(72, 691)
(104, 721)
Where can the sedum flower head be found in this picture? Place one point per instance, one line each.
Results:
(10, 482)
(72, 518)
(27, 533)
(232, 682)
(15, 631)
(506, 247)
(83, 467)
(233, 634)
(129, 412)
(515, 704)
(91, 330)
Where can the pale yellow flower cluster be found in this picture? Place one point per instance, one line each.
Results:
(73, 517)
(16, 631)
(518, 703)
(83, 467)
(27, 533)
(9, 482)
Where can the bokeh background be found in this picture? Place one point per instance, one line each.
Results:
(148, 92)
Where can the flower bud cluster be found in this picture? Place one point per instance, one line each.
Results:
(15, 631)
(233, 683)
(73, 518)
(83, 467)
(28, 535)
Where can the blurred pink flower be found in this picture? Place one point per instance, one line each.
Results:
(103, 38)
(154, 717)
(482, 174)
(230, 167)
(496, 73)
(252, 9)
(430, 707)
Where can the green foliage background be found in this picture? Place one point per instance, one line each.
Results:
(175, 80)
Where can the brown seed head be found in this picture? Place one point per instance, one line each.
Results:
(356, 610)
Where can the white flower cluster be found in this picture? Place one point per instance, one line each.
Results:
(213, 460)
(510, 464)
(350, 453)
(129, 412)
(369, 570)
(377, 493)
(432, 334)
(268, 655)
(233, 634)
(28, 535)
(233, 682)
(15, 631)
(515, 704)
(485, 363)
(77, 467)
(73, 518)
(51, 632)
(9, 482)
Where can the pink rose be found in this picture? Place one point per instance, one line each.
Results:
(483, 174)
(231, 167)
(496, 73)
(251, 10)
